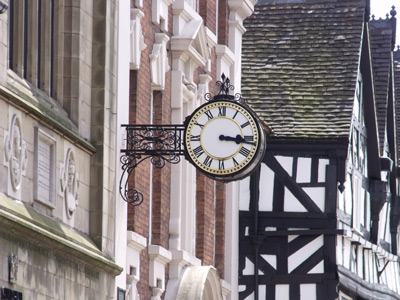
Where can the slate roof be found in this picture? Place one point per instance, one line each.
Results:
(300, 65)
(381, 33)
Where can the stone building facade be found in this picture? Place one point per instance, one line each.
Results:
(182, 239)
(58, 85)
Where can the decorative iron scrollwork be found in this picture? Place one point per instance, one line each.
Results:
(223, 94)
(159, 143)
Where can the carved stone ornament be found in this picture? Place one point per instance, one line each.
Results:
(159, 61)
(70, 184)
(137, 38)
(15, 153)
(12, 267)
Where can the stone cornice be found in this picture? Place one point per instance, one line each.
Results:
(22, 222)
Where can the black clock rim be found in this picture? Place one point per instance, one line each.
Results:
(234, 175)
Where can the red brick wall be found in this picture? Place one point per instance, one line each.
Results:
(208, 13)
(223, 17)
(220, 228)
(205, 219)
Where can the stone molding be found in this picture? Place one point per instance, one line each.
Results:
(49, 236)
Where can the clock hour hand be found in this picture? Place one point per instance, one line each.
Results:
(238, 139)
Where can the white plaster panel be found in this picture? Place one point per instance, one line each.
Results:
(303, 170)
(346, 253)
(348, 196)
(291, 203)
(322, 163)
(248, 267)
(308, 292)
(340, 204)
(266, 188)
(282, 291)
(271, 259)
(298, 257)
(339, 250)
(286, 162)
(318, 269)
(317, 194)
(262, 291)
(360, 262)
(250, 297)
(244, 199)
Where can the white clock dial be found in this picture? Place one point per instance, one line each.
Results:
(222, 139)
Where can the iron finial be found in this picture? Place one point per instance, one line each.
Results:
(393, 12)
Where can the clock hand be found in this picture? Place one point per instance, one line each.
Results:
(238, 139)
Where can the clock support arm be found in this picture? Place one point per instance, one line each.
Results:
(158, 143)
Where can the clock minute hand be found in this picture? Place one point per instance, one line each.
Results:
(238, 139)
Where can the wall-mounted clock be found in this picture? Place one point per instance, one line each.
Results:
(224, 140)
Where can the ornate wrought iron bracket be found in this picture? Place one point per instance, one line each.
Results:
(159, 143)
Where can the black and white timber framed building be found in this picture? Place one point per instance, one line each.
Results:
(319, 220)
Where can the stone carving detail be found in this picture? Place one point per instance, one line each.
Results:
(159, 61)
(137, 38)
(12, 267)
(15, 153)
(70, 184)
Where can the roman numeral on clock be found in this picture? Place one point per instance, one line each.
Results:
(221, 165)
(235, 162)
(198, 151)
(245, 124)
(209, 114)
(222, 111)
(234, 116)
(198, 124)
(208, 161)
(248, 138)
(195, 138)
(244, 151)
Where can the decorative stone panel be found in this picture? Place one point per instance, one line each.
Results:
(15, 157)
(69, 180)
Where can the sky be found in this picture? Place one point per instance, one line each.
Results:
(380, 8)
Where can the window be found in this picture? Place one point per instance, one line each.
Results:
(31, 42)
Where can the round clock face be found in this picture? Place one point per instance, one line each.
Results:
(224, 140)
